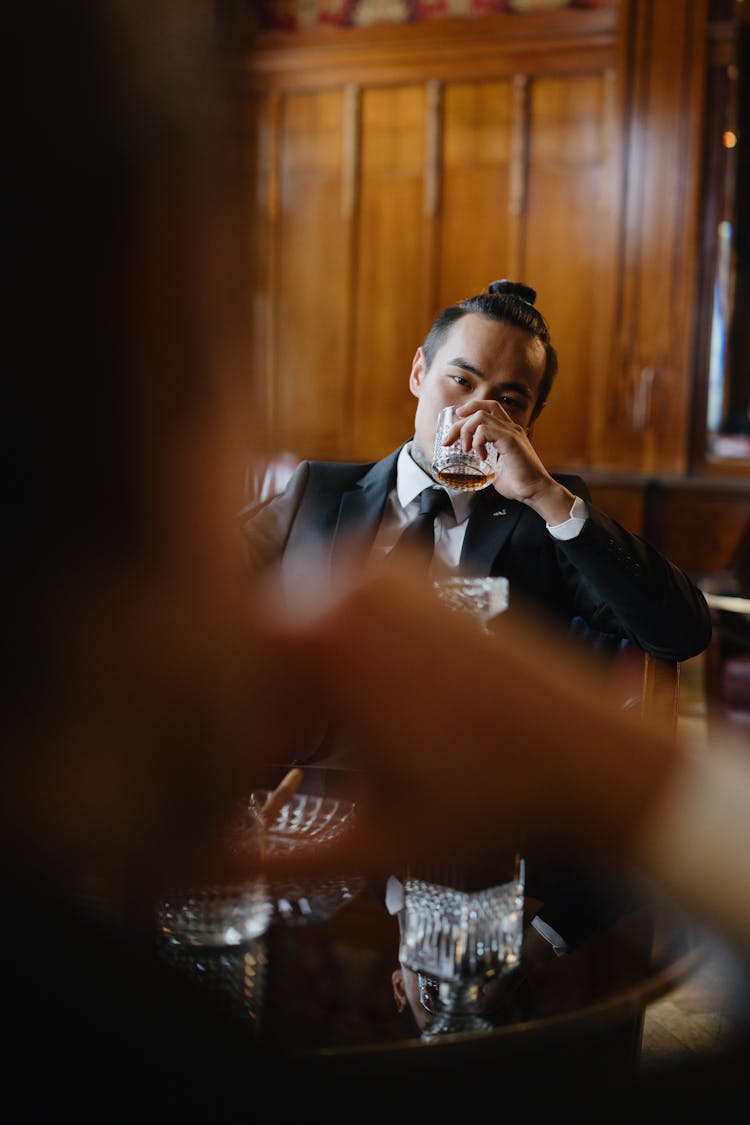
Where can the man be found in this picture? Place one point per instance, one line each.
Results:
(492, 358)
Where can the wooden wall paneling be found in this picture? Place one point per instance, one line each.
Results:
(393, 283)
(312, 401)
(258, 135)
(478, 233)
(663, 54)
(581, 132)
(570, 251)
(698, 524)
(624, 503)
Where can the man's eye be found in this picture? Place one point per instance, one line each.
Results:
(510, 403)
(460, 379)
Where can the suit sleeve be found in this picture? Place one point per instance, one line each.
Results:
(621, 584)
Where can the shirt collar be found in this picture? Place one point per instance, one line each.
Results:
(411, 480)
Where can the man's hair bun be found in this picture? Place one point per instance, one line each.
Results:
(512, 289)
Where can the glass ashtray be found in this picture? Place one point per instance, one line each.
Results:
(313, 900)
(305, 820)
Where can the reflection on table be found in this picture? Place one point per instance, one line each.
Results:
(323, 984)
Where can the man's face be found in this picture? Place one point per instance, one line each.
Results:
(480, 358)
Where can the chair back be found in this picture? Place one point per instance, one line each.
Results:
(660, 690)
(642, 681)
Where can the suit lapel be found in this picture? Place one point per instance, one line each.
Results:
(361, 508)
(491, 521)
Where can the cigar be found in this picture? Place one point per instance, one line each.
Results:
(283, 792)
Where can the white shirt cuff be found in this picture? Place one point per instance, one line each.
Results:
(579, 513)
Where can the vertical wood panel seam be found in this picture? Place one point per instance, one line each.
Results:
(519, 146)
(672, 362)
(644, 33)
(606, 195)
(620, 345)
(433, 148)
(641, 46)
(350, 152)
(275, 118)
(352, 172)
(433, 190)
(683, 285)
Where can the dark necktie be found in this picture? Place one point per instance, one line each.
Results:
(417, 540)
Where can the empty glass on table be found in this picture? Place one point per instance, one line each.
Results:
(483, 597)
(457, 942)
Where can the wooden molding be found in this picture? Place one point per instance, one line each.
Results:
(493, 46)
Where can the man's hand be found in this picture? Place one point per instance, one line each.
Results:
(520, 473)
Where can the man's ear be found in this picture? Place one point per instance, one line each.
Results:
(418, 372)
(399, 992)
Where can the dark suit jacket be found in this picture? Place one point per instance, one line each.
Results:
(607, 577)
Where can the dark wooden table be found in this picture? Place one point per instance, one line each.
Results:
(317, 988)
